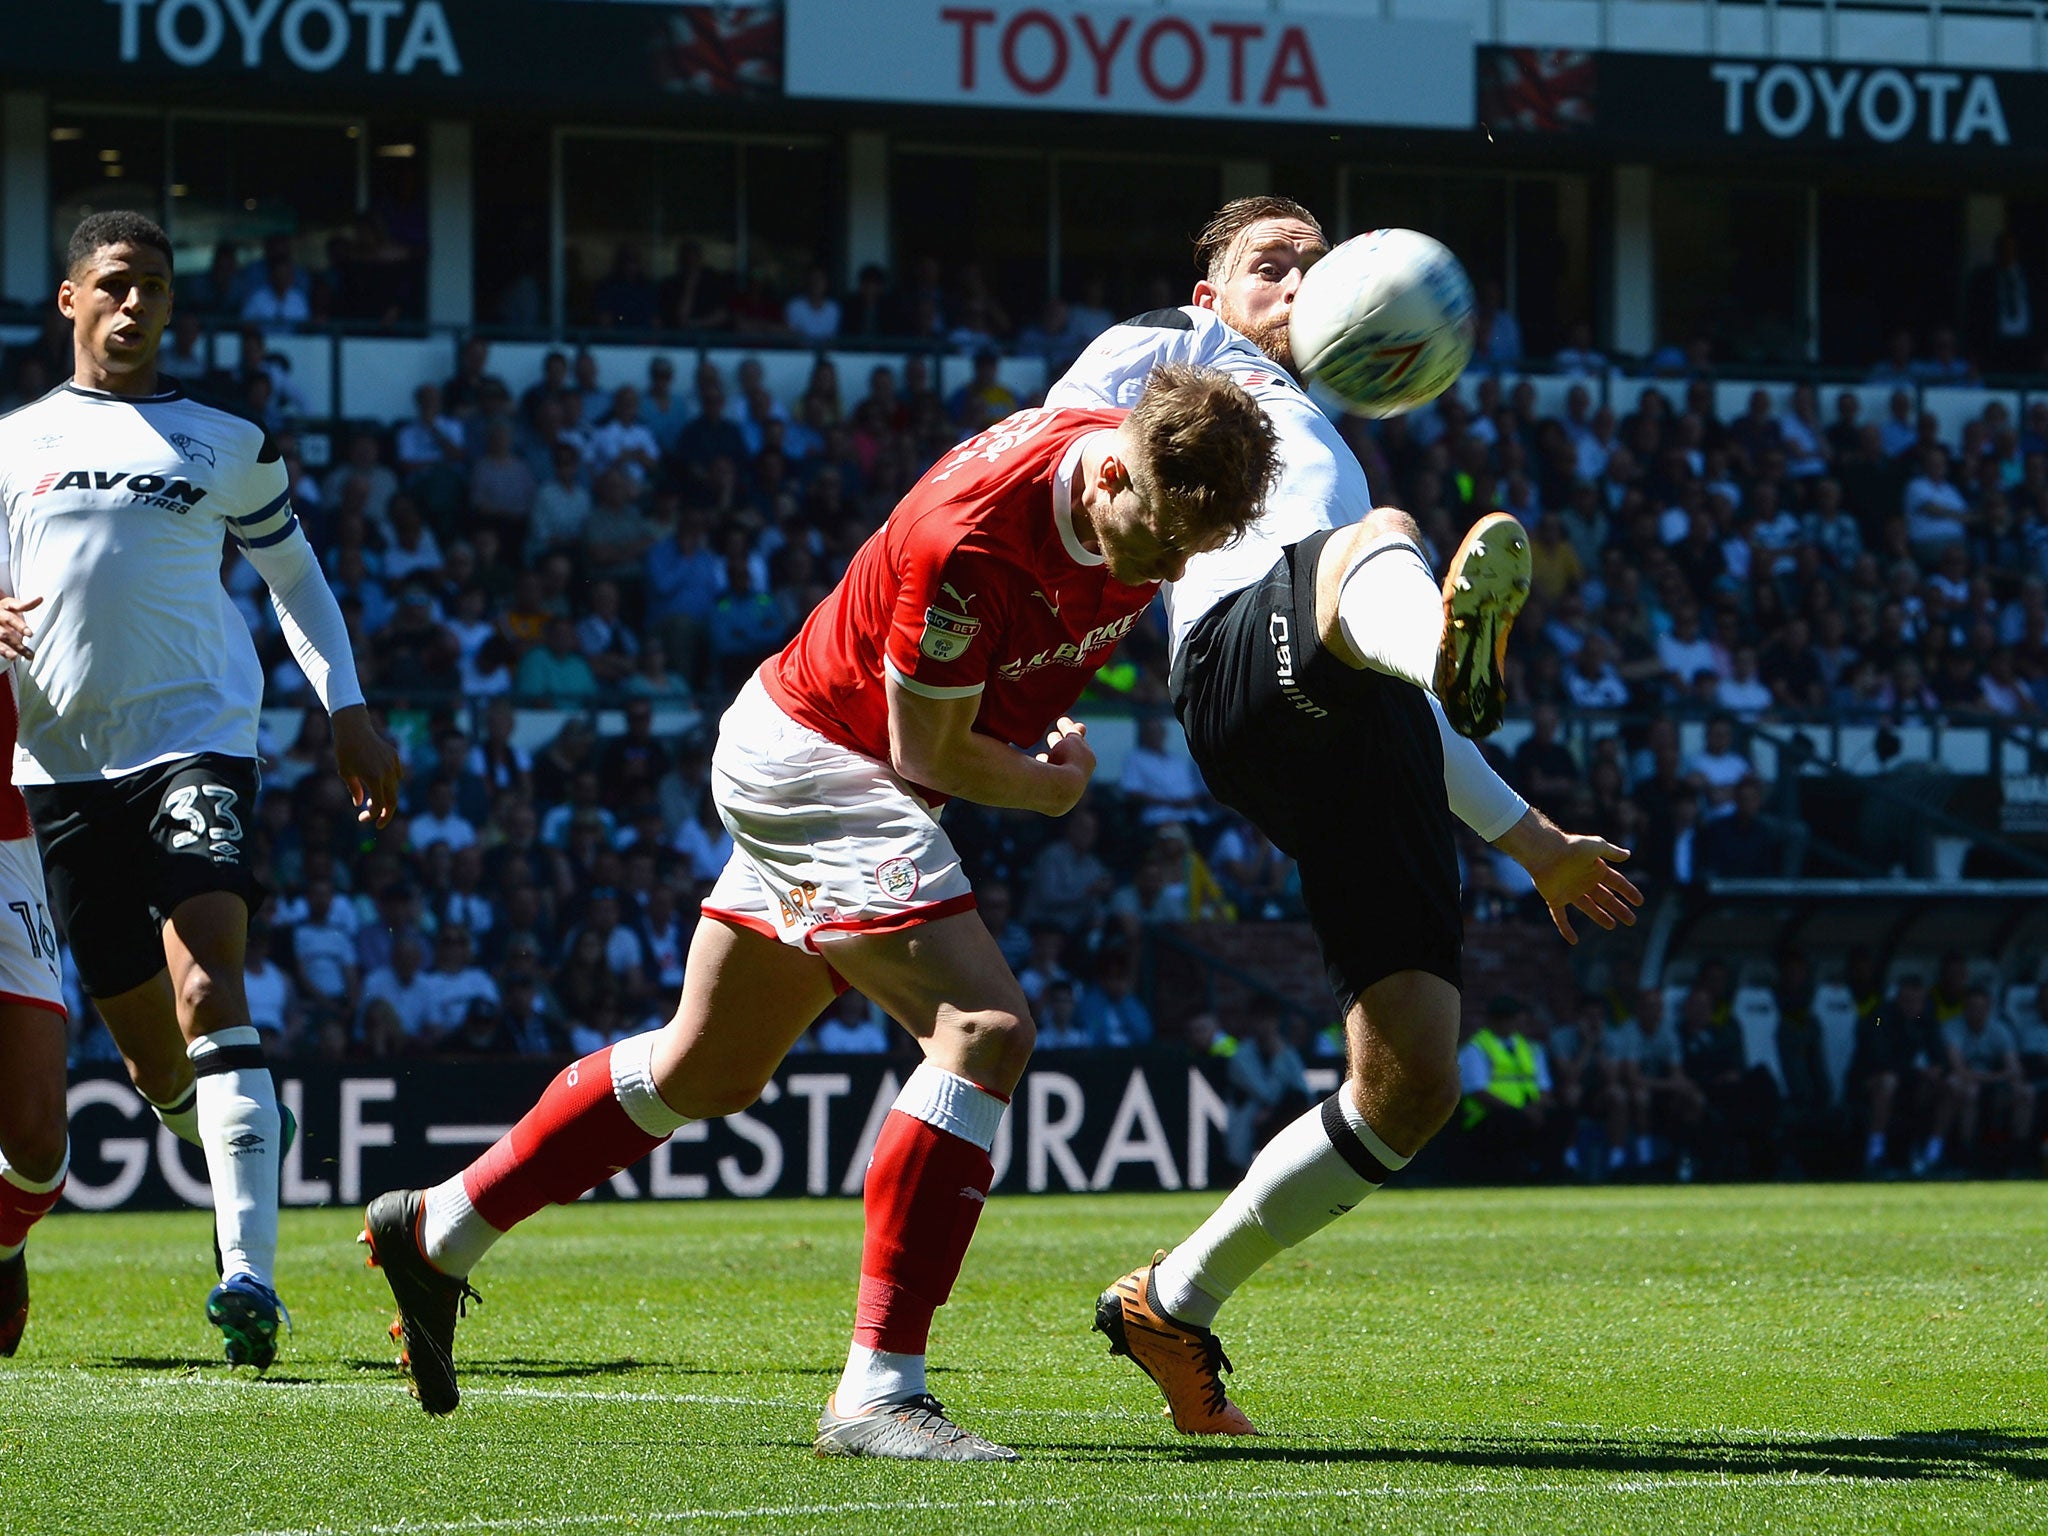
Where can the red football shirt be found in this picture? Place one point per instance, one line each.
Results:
(976, 584)
(13, 808)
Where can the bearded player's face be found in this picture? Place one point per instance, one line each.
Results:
(1266, 264)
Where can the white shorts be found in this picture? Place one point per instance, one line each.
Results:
(826, 840)
(30, 973)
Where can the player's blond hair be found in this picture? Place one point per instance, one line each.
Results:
(1207, 454)
(1213, 245)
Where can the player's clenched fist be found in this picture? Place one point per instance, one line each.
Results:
(1066, 746)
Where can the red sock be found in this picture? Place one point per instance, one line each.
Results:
(574, 1139)
(925, 1190)
(20, 1210)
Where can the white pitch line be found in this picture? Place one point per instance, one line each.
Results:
(643, 1519)
(392, 1387)
(1874, 1440)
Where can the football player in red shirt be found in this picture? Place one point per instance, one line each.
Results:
(963, 631)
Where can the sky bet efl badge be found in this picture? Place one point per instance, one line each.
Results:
(947, 635)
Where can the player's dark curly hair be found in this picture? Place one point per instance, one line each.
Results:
(117, 226)
(1212, 245)
(1209, 455)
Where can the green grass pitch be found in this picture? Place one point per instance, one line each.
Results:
(1847, 1359)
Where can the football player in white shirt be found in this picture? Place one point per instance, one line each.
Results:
(1304, 657)
(139, 702)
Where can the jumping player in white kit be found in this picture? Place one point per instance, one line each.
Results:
(1304, 660)
(138, 712)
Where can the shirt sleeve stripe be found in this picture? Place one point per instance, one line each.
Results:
(282, 498)
(928, 690)
(277, 536)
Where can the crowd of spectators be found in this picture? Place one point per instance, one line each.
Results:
(1945, 1078)
(1795, 561)
(958, 311)
(577, 541)
(366, 276)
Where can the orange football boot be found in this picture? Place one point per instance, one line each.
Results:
(1184, 1361)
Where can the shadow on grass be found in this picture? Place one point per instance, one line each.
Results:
(1948, 1455)
(518, 1368)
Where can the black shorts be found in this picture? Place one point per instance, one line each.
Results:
(1342, 768)
(119, 855)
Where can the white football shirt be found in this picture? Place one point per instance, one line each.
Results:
(117, 513)
(1321, 483)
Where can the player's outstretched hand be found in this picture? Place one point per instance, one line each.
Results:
(14, 629)
(1581, 874)
(369, 766)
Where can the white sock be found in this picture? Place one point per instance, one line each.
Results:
(455, 1237)
(960, 1108)
(452, 1235)
(952, 1103)
(874, 1377)
(239, 1128)
(633, 1086)
(1391, 609)
(1314, 1171)
(182, 1117)
(29, 1186)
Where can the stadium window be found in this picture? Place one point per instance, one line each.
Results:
(1131, 225)
(1318, 187)
(985, 208)
(1730, 259)
(1551, 245)
(347, 200)
(636, 200)
(104, 160)
(248, 181)
(1470, 214)
(511, 170)
(793, 213)
(1918, 286)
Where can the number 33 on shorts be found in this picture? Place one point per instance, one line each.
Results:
(208, 814)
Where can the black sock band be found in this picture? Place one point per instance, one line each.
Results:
(229, 1058)
(1349, 1147)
